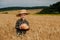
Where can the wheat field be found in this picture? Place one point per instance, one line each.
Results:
(42, 27)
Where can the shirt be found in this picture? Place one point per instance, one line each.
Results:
(20, 21)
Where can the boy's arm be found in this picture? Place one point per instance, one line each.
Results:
(27, 23)
(17, 24)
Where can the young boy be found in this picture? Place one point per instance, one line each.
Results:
(20, 30)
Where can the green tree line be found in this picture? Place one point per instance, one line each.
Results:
(52, 9)
(19, 8)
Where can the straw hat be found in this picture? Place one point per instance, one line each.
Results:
(23, 11)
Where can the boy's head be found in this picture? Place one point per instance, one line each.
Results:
(23, 13)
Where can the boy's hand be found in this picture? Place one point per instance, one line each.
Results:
(24, 26)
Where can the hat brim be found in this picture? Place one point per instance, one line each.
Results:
(18, 15)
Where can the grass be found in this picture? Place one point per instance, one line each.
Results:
(48, 14)
(41, 27)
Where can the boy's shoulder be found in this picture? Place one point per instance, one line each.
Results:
(19, 19)
(22, 20)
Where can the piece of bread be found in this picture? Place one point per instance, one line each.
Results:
(24, 26)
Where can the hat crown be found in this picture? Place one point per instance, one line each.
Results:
(23, 11)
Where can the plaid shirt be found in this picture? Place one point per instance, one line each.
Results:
(20, 21)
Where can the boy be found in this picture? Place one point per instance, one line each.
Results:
(22, 25)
